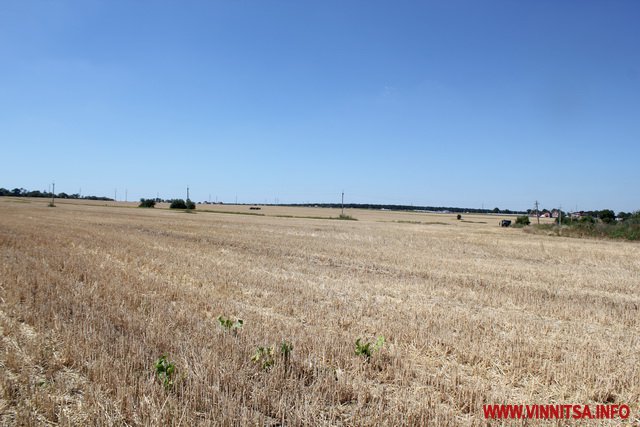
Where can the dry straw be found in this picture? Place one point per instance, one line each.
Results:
(471, 314)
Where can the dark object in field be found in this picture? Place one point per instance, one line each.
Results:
(505, 223)
(255, 208)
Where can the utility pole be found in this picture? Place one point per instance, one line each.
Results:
(53, 195)
(537, 214)
(342, 203)
(560, 215)
(187, 192)
(126, 194)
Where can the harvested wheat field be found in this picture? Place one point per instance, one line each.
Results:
(471, 314)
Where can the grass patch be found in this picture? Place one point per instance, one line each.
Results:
(349, 218)
(420, 222)
(345, 217)
(17, 201)
(232, 212)
(301, 217)
(626, 230)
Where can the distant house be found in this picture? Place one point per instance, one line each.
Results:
(542, 214)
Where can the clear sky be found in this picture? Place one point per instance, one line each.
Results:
(443, 103)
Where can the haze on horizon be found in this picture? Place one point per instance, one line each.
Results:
(464, 104)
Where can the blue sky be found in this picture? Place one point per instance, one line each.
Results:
(447, 103)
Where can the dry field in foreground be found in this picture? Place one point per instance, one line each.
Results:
(91, 296)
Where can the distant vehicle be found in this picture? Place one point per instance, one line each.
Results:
(505, 223)
(255, 208)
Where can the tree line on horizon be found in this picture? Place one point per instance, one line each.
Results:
(21, 192)
(407, 208)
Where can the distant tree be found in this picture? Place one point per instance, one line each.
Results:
(190, 204)
(178, 204)
(35, 193)
(106, 199)
(622, 215)
(147, 203)
(587, 219)
(496, 210)
(523, 220)
(607, 216)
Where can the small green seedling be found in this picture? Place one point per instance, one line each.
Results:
(165, 370)
(230, 325)
(366, 349)
(264, 356)
(285, 349)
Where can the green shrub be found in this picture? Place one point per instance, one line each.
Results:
(190, 204)
(607, 216)
(587, 220)
(285, 349)
(285, 352)
(266, 356)
(147, 203)
(523, 220)
(346, 217)
(628, 229)
(165, 370)
(230, 325)
(366, 349)
(178, 204)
